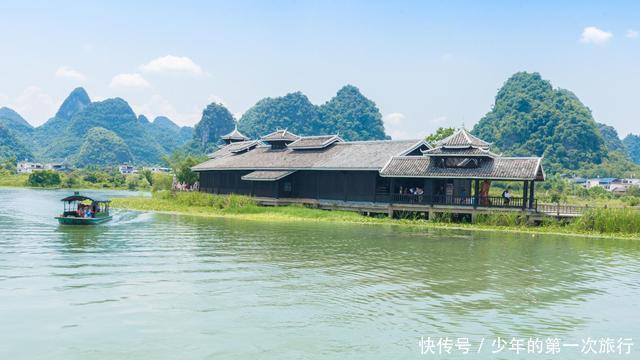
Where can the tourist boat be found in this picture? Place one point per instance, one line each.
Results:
(83, 210)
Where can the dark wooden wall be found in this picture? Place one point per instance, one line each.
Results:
(329, 185)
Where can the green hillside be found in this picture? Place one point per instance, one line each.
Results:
(530, 117)
(632, 145)
(216, 121)
(349, 114)
(169, 135)
(114, 115)
(101, 147)
(611, 138)
(11, 147)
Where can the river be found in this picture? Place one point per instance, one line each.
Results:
(159, 286)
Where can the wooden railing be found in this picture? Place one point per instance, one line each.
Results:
(564, 209)
(488, 201)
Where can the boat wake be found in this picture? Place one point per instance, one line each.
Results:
(124, 217)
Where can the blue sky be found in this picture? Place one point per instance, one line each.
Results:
(425, 64)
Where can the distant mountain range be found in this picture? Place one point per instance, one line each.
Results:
(81, 124)
(529, 117)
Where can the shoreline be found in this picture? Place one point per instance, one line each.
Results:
(282, 214)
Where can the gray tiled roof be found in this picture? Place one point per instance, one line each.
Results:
(235, 135)
(354, 155)
(314, 142)
(462, 138)
(468, 151)
(280, 135)
(502, 168)
(267, 175)
(233, 148)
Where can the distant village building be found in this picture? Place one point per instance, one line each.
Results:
(127, 169)
(28, 167)
(617, 186)
(455, 172)
(156, 169)
(57, 167)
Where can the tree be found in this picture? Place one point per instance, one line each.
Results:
(44, 178)
(161, 182)
(440, 134)
(181, 164)
(216, 121)
(148, 175)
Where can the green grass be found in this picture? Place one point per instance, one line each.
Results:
(13, 180)
(609, 221)
(598, 223)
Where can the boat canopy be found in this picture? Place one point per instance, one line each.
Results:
(78, 197)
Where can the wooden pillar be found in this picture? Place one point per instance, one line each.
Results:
(344, 186)
(525, 191)
(318, 187)
(253, 186)
(276, 191)
(392, 185)
(236, 180)
(476, 193)
(532, 194)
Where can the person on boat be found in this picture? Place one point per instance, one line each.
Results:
(80, 211)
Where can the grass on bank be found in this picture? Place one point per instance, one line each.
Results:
(596, 222)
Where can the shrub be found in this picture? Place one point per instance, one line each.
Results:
(161, 182)
(44, 178)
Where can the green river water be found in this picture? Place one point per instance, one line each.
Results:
(157, 286)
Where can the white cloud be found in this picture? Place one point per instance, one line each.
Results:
(160, 106)
(133, 80)
(631, 34)
(439, 120)
(172, 64)
(393, 119)
(216, 99)
(35, 105)
(67, 72)
(395, 126)
(593, 35)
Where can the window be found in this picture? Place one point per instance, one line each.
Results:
(287, 187)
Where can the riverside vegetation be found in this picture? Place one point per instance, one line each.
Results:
(612, 222)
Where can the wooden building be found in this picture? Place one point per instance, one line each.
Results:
(455, 172)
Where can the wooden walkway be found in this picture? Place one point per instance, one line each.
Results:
(538, 213)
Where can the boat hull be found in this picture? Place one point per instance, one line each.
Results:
(70, 220)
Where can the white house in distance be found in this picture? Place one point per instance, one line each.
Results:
(157, 169)
(614, 185)
(127, 169)
(25, 167)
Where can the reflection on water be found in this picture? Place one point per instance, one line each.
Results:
(152, 285)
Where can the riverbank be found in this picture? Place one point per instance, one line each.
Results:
(598, 224)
